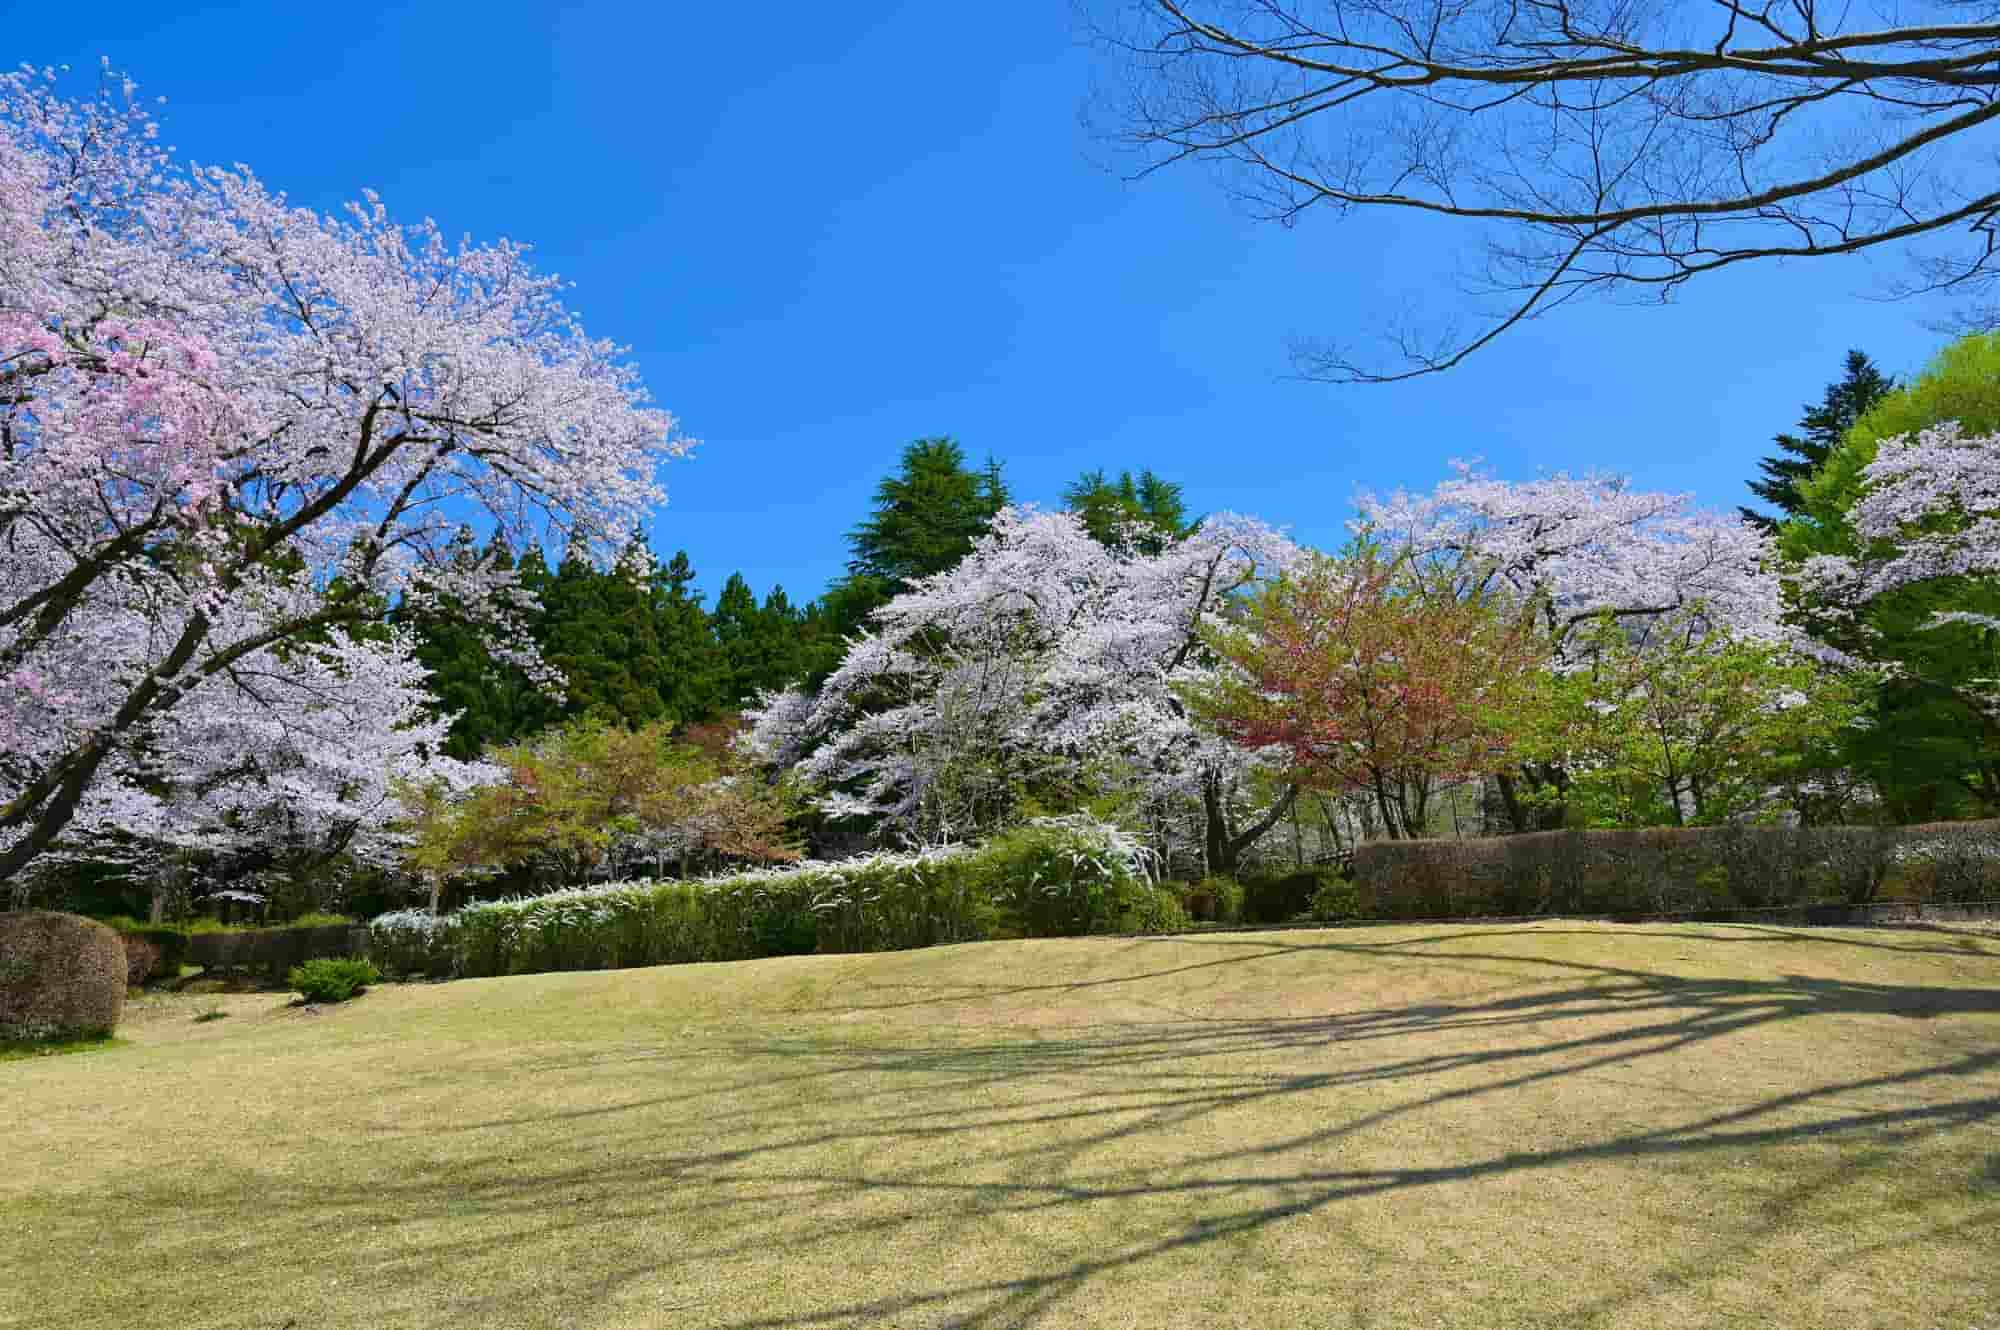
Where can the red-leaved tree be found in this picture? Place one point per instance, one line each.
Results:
(1371, 684)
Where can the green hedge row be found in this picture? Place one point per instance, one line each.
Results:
(157, 951)
(1677, 870)
(1054, 877)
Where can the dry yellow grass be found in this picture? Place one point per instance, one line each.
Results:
(1558, 1125)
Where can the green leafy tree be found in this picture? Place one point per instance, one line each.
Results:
(1677, 728)
(492, 701)
(763, 647)
(925, 517)
(1927, 747)
(1821, 428)
(590, 796)
(693, 673)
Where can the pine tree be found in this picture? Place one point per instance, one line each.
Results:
(1843, 403)
(493, 703)
(694, 680)
(1149, 512)
(926, 515)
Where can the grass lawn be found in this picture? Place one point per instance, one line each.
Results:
(1559, 1125)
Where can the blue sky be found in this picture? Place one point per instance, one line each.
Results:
(828, 229)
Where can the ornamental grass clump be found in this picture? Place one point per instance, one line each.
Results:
(1052, 877)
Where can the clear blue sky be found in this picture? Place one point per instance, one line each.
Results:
(828, 229)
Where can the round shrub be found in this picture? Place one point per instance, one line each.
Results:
(1336, 899)
(332, 978)
(61, 976)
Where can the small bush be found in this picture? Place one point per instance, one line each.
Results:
(1155, 910)
(413, 944)
(1215, 900)
(1335, 900)
(142, 959)
(328, 979)
(1275, 898)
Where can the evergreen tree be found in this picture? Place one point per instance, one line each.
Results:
(597, 628)
(694, 677)
(1149, 512)
(926, 515)
(1821, 428)
(494, 703)
(765, 647)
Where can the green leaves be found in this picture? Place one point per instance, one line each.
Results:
(1677, 729)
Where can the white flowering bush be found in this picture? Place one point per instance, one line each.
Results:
(1053, 876)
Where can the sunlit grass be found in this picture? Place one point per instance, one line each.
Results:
(1554, 1125)
(15, 1050)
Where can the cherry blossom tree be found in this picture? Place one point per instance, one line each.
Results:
(1042, 667)
(1926, 525)
(232, 431)
(1929, 511)
(1584, 549)
(1578, 554)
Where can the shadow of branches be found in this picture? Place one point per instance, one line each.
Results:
(1069, 1159)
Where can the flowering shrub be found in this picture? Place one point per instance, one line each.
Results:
(1052, 877)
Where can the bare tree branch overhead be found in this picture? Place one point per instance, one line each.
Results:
(1613, 147)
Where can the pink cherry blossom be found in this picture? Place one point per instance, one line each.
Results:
(231, 431)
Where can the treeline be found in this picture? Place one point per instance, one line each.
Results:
(636, 645)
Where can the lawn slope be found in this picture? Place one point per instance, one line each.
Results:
(1558, 1125)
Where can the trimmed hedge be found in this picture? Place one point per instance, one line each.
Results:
(1055, 877)
(1677, 870)
(163, 950)
(272, 952)
(61, 976)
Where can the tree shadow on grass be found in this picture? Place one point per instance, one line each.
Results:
(832, 1144)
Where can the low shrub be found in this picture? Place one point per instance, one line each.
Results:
(321, 919)
(1335, 900)
(142, 959)
(329, 979)
(152, 951)
(1155, 910)
(413, 943)
(1214, 900)
(1054, 877)
(1276, 898)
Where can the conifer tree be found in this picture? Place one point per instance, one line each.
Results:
(1821, 427)
(927, 514)
(1149, 512)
